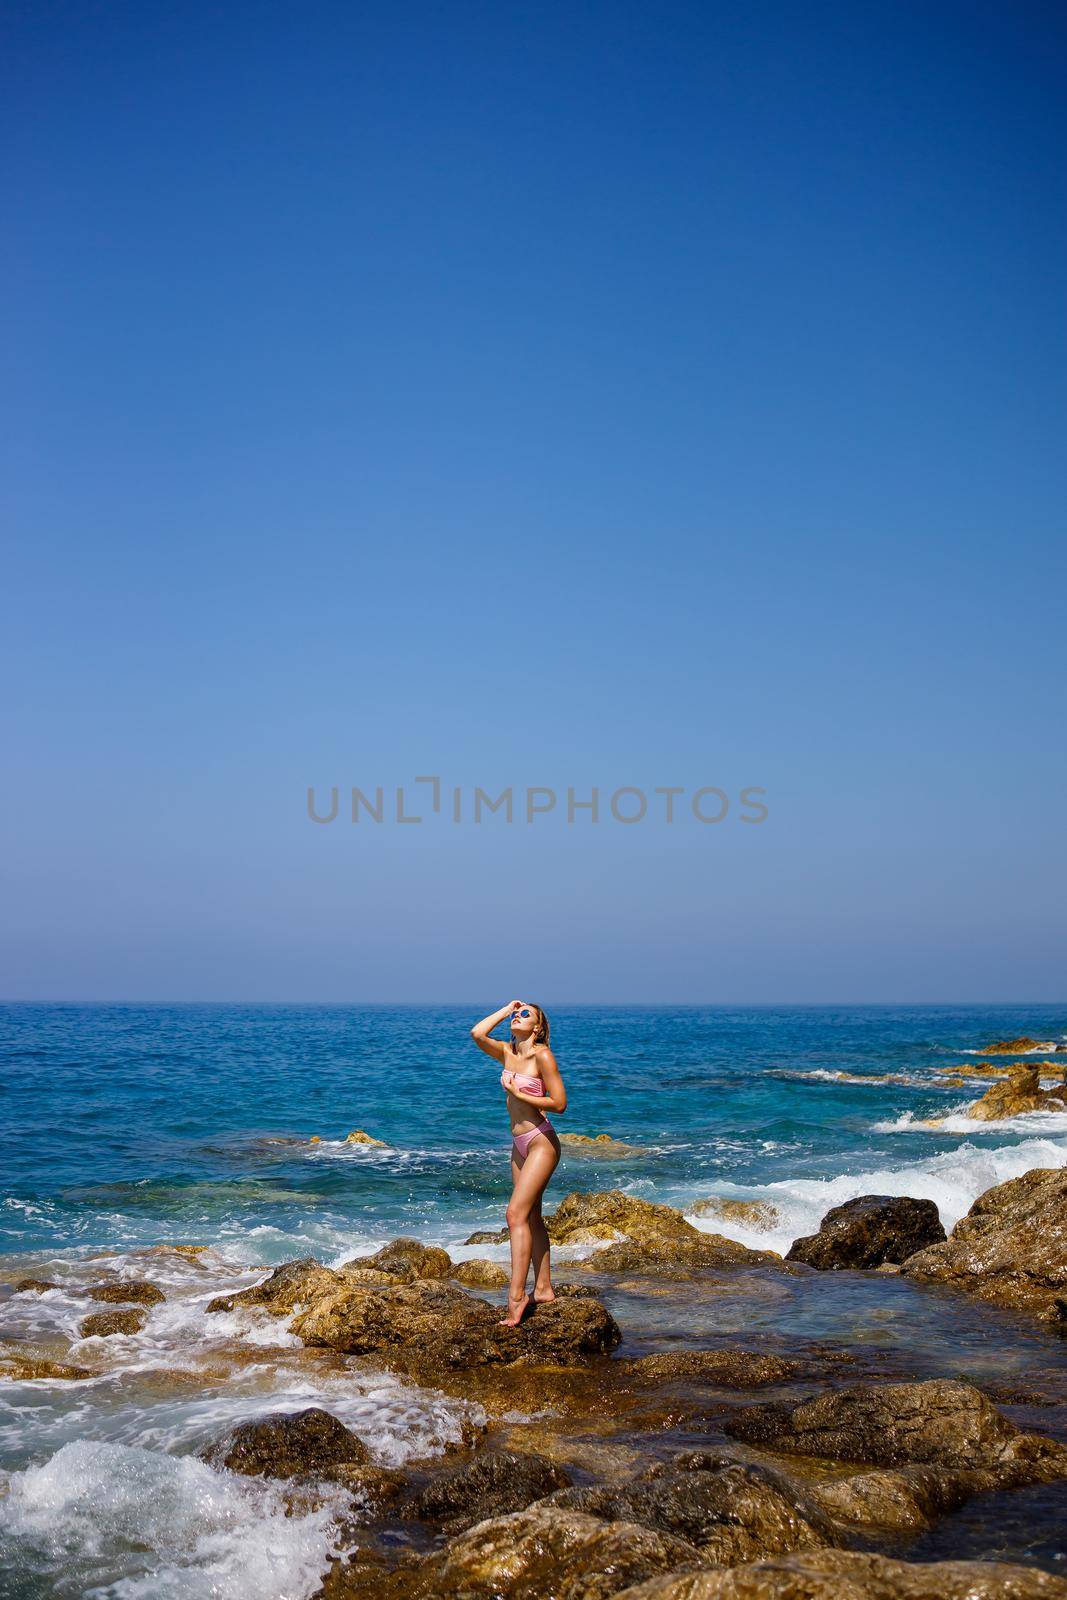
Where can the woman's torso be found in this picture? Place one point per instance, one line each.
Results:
(523, 1115)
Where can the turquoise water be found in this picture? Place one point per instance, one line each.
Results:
(126, 1128)
(125, 1125)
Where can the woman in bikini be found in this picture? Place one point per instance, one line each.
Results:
(533, 1083)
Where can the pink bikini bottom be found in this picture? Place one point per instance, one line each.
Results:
(522, 1141)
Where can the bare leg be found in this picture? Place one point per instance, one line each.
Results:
(540, 1258)
(530, 1180)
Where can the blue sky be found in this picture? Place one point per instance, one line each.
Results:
(557, 395)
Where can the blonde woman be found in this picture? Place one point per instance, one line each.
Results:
(532, 1082)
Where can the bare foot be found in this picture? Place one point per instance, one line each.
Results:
(543, 1296)
(516, 1310)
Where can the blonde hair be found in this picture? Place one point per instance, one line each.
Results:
(541, 1036)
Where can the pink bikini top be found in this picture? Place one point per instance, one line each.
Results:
(530, 1085)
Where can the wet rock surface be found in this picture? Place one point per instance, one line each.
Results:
(479, 1273)
(35, 1285)
(1010, 1248)
(287, 1445)
(494, 1483)
(406, 1259)
(759, 1215)
(127, 1291)
(1018, 1095)
(18, 1367)
(102, 1324)
(905, 1500)
(731, 1513)
(1018, 1047)
(734, 1369)
(643, 1235)
(940, 1422)
(292, 1284)
(848, 1575)
(869, 1231)
(421, 1326)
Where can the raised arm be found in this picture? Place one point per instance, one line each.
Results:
(481, 1033)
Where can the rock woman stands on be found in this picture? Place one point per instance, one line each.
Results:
(530, 1078)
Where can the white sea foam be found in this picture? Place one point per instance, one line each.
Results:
(953, 1180)
(126, 1523)
(1047, 1124)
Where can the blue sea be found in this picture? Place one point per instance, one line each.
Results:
(128, 1130)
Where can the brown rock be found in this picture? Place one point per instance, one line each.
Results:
(288, 1286)
(18, 1368)
(426, 1325)
(941, 1422)
(597, 1144)
(482, 1274)
(1016, 1096)
(358, 1136)
(567, 1555)
(851, 1575)
(494, 1483)
(35, 1285)
(759, 1215)
(905, 1500)
(733, 1369)
(286, 1445)
(126, 1291)
(1018, 1047)
(406, 1259)
(731, 1513)
(104, 1323)
(868, 1231)
(1010, 1248)
(488, 1236)
(656, 1238)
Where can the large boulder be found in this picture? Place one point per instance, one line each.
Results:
(547, 1551)
(479, 1273)
(406, 1259)
(1018, 1095)
(285, 1444)
(731, 1512)
(644, 1236)
(597, 1144)
(423, 1325)
(902, 1499)
(759, 1215)
(293, 1284)
(1010, 1248)
(941, 1422)
(869, 1231)
(494, 1483)
(852, 1575)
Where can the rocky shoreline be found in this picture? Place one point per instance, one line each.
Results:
(700, 1469)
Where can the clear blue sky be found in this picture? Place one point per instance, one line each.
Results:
(563, 394)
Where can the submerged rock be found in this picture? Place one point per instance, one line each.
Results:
(731, 1513)
(868, 1231)
(423, 1325)
(1010, 1248)
(292, 1284)
(126, 1291)
(852, 1575)
(102, 1324)
(405, 1259)
(1017, 1096)
(482, 1274)
(733, 1369)
(35, 1285)
(286, 1445)
(494, 1483)
(941, 1422)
